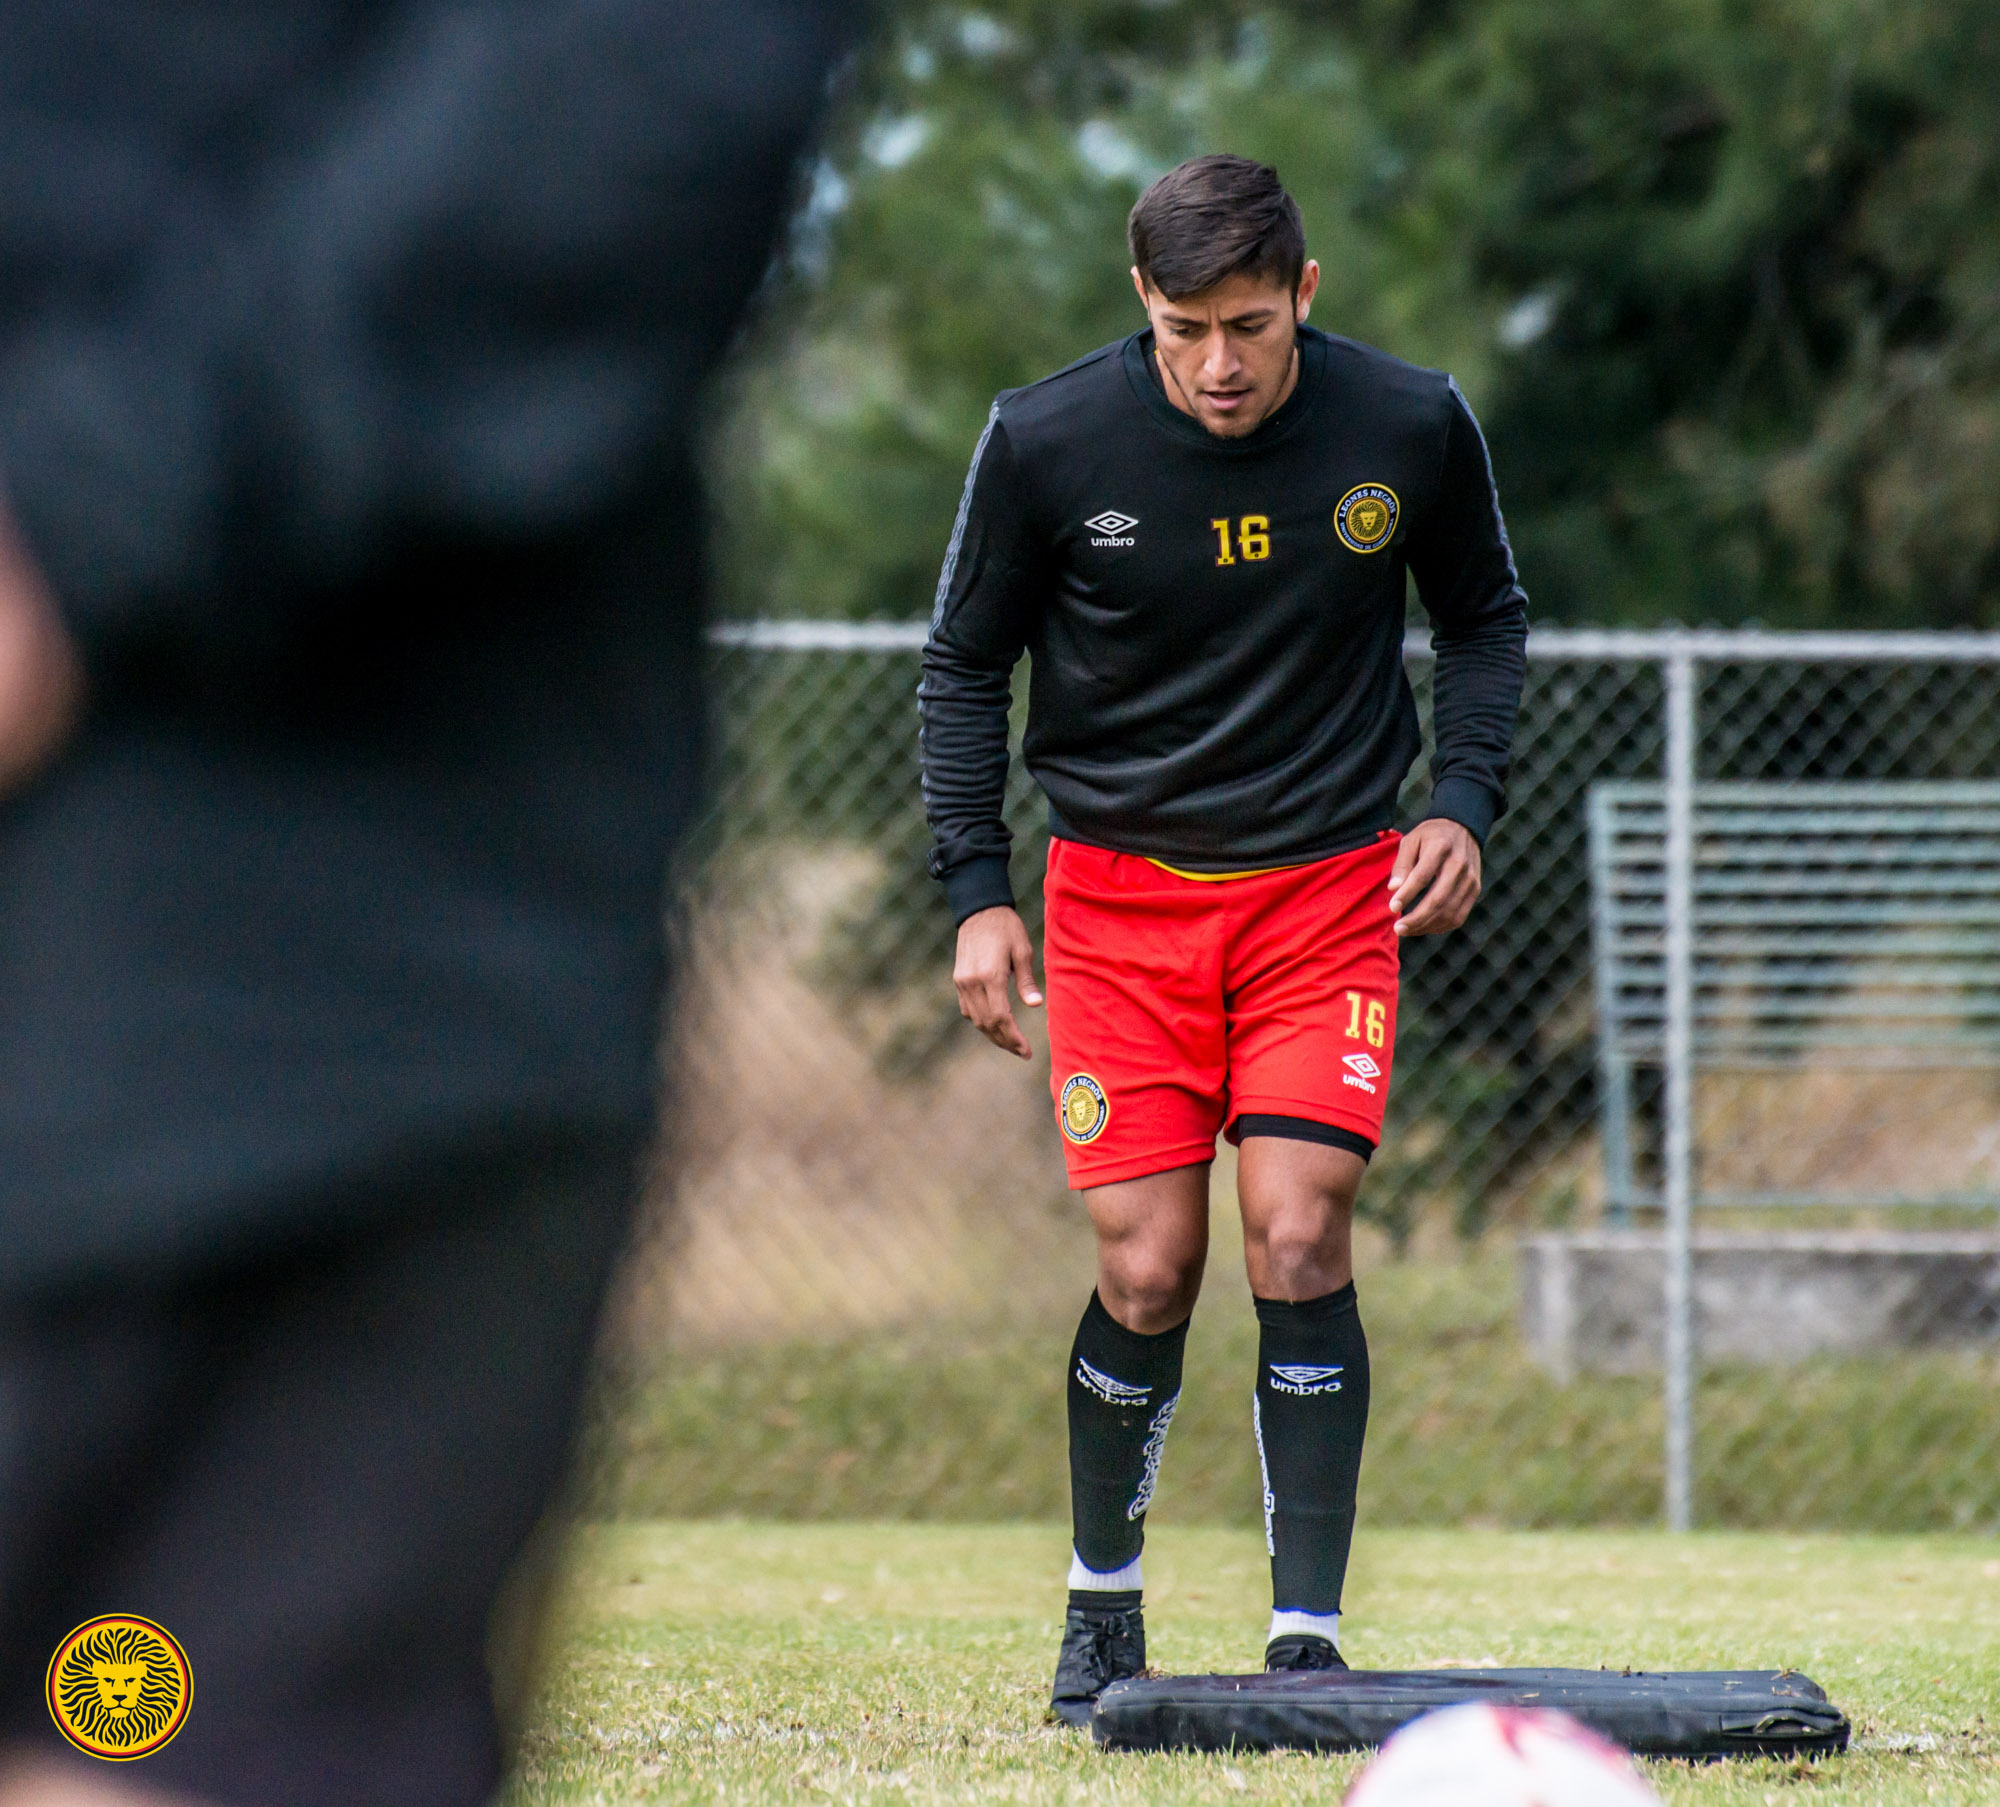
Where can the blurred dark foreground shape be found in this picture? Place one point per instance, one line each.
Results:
(349, 709)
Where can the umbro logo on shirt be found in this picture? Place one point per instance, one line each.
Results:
(1111, 528)
(1360, 1070)
(1303, 1379)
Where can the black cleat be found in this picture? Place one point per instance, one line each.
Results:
(1103, 1642)
(1299, 1650)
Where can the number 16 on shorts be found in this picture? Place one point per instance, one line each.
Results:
(1367, 1019)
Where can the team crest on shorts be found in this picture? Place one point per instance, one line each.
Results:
(1085, 1110)
(119, 1687)
(1367, 517)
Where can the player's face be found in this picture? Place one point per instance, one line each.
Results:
(1228, 355)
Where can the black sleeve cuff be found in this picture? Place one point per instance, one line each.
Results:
(980, 884)
(1467, 802)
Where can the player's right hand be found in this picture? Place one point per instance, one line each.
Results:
(993, 947)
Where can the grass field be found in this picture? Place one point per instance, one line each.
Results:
(721, 1660)
(964, 1421)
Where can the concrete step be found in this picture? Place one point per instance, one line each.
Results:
(1591, 1300)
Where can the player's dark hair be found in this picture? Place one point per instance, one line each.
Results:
(1212, 218)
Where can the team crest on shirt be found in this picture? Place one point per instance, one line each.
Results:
(1367, 516)
(1084, 1110)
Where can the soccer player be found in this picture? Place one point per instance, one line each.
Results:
(1200, 534)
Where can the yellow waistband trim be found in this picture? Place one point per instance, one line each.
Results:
(1215, 878)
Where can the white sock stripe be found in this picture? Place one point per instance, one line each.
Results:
(1306, 1625)
(1156, 1447)
(1264, 1468)
(1116, 1581)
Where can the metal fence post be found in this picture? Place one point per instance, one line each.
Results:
(1614, 1070)
(1679, 1061)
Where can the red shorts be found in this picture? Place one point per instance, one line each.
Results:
(1178, 1005)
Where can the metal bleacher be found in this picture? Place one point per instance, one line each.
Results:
(1841, 924)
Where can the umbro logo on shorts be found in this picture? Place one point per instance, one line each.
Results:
(1112, 1392)
(1304, 1379)
(1361, 1070)
(1111, 528)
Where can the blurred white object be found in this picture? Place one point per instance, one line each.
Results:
(1486, 1756)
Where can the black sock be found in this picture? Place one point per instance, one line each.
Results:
(1123, 1388)
(1311, 1410)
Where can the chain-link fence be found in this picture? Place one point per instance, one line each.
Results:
(872, 1264)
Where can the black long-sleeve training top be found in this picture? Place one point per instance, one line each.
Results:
(1216, 625)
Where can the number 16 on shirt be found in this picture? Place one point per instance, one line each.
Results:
(1253, 538)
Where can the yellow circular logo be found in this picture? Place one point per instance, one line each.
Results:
(1085, 1111)
(119, 1687)
(1366, 517)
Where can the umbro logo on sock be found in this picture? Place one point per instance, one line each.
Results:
(1112, 1392)
(1303, 1379)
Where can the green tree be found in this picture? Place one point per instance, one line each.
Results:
(1723, 280)
(1752, 367)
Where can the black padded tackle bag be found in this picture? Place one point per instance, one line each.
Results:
(1721, 1713)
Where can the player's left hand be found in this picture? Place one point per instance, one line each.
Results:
(1435, 880)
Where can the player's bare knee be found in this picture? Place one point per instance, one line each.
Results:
(1303, 1267)
(1150, 1289)
(1302, 1249)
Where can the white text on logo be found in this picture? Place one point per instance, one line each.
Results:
(1304, 1380)
(1112, 1392)
(1362, 1070)
(1112, 528)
